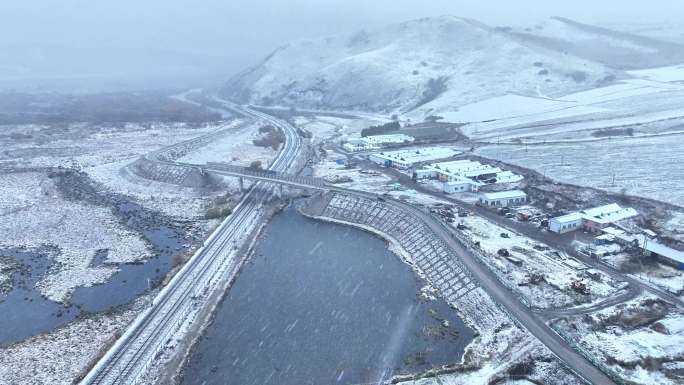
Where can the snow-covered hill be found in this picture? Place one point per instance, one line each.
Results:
(615, 49)
(405, 66)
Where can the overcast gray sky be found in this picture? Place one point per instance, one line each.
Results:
(246, 30)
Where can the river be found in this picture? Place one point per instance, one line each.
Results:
(322, 303)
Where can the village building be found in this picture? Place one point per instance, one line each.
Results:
(566, 223)
(375, 142)
(595, 219)
(598, 218)
(664, 254)
(405, 159)
(503, 198)
(456, 186)
(464, 175)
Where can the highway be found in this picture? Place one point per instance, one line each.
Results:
(132, 354)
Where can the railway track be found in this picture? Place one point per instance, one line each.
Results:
(172, 309)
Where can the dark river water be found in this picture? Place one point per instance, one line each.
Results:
(26, 313)
(323, 303)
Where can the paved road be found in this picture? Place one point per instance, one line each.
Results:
(626, 295)
(512, 304)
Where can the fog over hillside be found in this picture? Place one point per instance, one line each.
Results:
(404, 66)
(76, 46)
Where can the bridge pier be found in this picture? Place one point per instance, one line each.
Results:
(242, 184)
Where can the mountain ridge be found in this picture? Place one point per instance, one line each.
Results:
(404, 66)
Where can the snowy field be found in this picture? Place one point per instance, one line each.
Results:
(35, 214)
(87, 146)
(648, 167)
(544, 277)
(326, 128)
(641, 340)
(630, 102)
(509, 107)
(64, 354)
(182, 203)
(663, 74)
(236, 147)
(505, 109)
(373, 182)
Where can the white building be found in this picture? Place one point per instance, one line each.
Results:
(598, 218)
(405, 159)
(375, 142)
(565, 223)
(464, 168)
(456, 186)
(594, 219)
(356, 147)
(380, 140)
(665, 254)
(424, 173)
(503, 198)
(508, 177)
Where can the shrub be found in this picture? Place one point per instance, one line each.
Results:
(255, 165)
(381, 129)
(218, 212)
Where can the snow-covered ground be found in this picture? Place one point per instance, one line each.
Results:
(366, 181)
(506, 109)
(373, 182)
(325, 128)
(84, 145)
(649, 167)
(544, 367)
(516, 116)
(236, 147)
(662, 74)
(64, 354)
(543, 278)
(637, 340)
(412, 65)
(41, 216)
(178, 202)
(675, 226)
(654, 273)
(33, 213)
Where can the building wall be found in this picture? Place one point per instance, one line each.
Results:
(502, 202)
(424, 174)
(594, 227)
(564, 227)
(454, 188)
(670, 262)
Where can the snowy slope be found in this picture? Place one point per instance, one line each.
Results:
(615, 49)
(406, 66)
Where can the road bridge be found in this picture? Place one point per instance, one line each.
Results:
(306, 182)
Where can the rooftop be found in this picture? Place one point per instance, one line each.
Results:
(504, 194)
(472, 169)
(571, 217)
(394, 138)
(665, 251)
(418, 155)
(608, 213)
